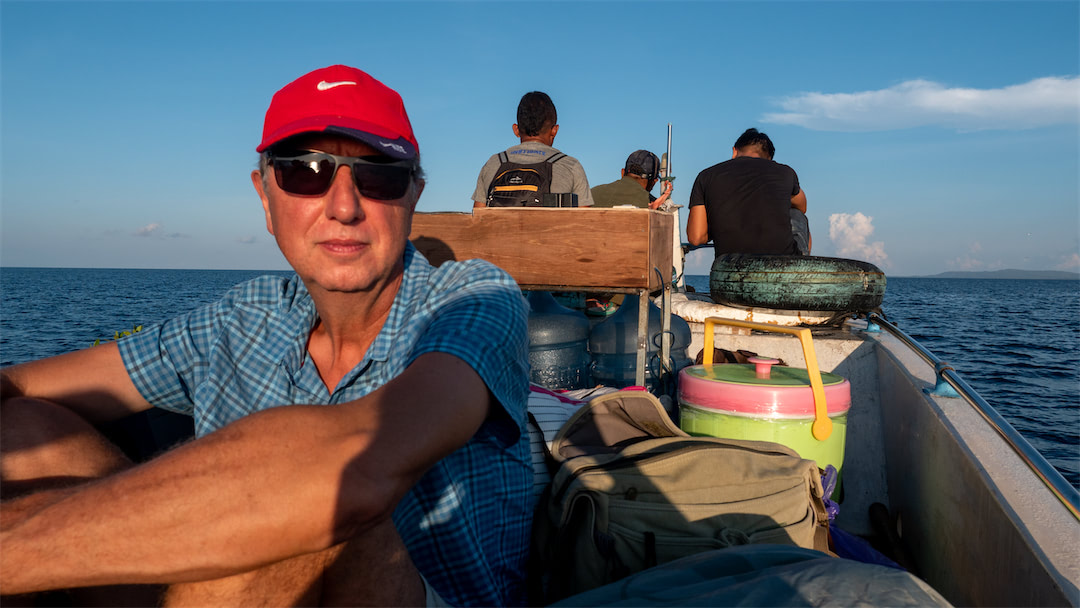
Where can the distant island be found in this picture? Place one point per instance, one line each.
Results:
(1010, 273)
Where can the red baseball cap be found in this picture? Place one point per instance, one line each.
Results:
(344, 101)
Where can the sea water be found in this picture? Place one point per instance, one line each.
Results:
(1016, 342)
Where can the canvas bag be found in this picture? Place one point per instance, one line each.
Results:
(520, 184)
(632, 491)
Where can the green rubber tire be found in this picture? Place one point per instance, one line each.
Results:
(795, 282)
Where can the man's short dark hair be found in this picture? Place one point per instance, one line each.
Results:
(752, 137)
(535, 113)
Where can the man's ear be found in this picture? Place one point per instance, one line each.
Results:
(257, 181)
(554, 131)
(622, 172)
(516, 133)
(734, 152)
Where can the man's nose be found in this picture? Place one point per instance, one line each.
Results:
(343, 200)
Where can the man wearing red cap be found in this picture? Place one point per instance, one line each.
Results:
(412, 488)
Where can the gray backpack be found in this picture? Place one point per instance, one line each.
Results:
(632, 491)
(521, 185)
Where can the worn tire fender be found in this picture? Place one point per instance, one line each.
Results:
(796, 282)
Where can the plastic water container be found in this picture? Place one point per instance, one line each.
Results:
(613, 345)
(558, 340)
(763, 402)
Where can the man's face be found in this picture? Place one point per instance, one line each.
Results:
(339, 241)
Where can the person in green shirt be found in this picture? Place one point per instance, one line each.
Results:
(640, 174)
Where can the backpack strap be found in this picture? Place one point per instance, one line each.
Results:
(503, 158)
(554, 159)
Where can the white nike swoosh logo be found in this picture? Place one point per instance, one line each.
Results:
(326, 86)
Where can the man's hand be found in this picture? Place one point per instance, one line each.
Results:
(664, 197)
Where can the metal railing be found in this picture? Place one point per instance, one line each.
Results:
(1050, 476)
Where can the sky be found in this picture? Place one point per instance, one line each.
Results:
(928, 136)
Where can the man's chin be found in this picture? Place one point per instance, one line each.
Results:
(340, 284)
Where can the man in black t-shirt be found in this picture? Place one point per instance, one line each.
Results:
(749, 204)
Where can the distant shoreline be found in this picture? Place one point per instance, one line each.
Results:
(1011, 273)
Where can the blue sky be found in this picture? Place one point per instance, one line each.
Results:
(928, 136)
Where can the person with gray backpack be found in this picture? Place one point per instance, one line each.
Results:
(529, 173)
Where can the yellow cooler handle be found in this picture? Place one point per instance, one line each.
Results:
(822, 427)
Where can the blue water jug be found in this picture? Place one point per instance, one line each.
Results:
(558, 344)
(613, 346)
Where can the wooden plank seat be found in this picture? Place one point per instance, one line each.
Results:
(552, 249)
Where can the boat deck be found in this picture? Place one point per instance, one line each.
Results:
(981, 528)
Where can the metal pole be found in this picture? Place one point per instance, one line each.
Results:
(642, 336)
(669, 167)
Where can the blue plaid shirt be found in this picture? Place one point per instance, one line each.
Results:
(466, 523)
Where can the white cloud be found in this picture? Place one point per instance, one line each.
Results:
(155, 230)
(968, 261)
(917, 103)
(972, 260)
(1070, 263)
(850, 234)
(149, 230)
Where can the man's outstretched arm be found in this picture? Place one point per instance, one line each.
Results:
(279, 483)
(92, 382)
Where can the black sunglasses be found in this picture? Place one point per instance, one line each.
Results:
(308, 173)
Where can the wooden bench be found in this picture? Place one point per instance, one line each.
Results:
(550, 249)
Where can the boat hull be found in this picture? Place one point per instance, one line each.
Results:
(979, 526)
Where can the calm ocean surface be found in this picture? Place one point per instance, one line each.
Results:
(1016, 342)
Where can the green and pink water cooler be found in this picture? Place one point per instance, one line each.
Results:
(804, 409)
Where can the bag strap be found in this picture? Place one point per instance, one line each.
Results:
(554, 159)
(613, 419)
(503, 158)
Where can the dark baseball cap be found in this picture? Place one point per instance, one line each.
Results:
(643, 163)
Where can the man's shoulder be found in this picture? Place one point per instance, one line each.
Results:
(717, 168)
(607, 186)
(463, 273)
(600, 190)
(745, 163)
(784, 168)
(531, 152)
(267, 290)
(620, 192)
(455, 274)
